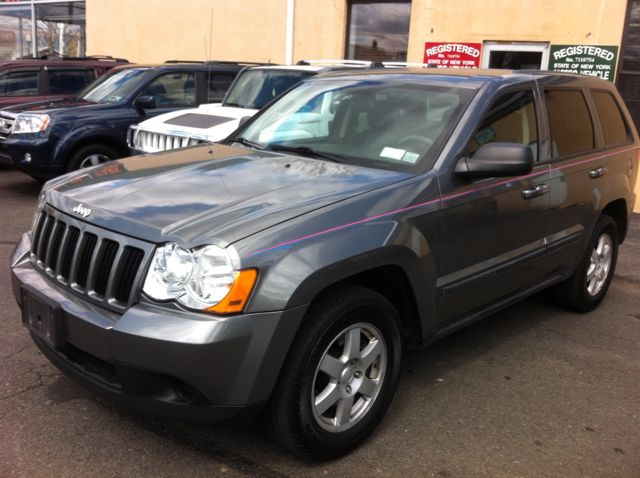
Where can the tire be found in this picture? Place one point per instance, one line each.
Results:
(291, 415)
(580, 292)
(90, 155)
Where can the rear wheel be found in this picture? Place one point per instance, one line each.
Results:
(90, 155)
(340, 375)
(588, 285)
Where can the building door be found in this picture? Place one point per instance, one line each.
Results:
(628, 81)
(515, 56)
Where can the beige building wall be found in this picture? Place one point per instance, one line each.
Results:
(255, 30)
(594, 22)
(153, 31)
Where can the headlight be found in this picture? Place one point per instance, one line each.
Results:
(30, 123)
(207, 278)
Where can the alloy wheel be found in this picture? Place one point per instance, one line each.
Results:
(349, 377)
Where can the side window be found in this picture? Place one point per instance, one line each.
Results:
(66, 82)
(19, 83)
(614, 128)
(218, 85)
(173, 90)
(511, 119)
(569, 122)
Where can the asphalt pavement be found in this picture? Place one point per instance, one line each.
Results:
(533, 391)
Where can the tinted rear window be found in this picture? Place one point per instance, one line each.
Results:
(570, 122)
(66, 82)
(614, 129)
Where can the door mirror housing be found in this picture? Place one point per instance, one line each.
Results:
(145, 102)
(243, 120)
(496, 160)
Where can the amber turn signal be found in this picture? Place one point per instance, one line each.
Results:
(238, 295)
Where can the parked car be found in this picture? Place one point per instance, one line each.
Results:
(42, 79)
(48, 138)
(285, 270)
(252, 89)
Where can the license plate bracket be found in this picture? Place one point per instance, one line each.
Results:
(42, 316)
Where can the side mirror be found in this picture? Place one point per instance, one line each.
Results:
(497, 160)
(243, 120)
(145, 102)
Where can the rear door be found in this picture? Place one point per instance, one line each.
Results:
(590, 144)
(493, 230)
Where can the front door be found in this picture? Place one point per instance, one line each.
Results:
(492, 229)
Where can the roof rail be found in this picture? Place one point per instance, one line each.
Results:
(82, 58)
(404, 64)
(356, 63)
(221, 62)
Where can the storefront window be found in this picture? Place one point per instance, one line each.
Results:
(57, 27)
(378, 30)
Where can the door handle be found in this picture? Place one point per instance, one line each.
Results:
(596, 173)
(539, 190)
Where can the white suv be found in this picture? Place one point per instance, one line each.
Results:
(252, 89)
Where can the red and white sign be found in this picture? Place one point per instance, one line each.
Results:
(452, 55)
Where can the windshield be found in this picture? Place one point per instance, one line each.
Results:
(385, 124)
(114, 87)
(255, 88)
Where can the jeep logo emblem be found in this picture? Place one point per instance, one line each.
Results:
(83, 211)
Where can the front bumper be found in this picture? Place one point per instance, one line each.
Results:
(163, 361)
(31, 154)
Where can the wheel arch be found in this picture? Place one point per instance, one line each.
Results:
(617, 210)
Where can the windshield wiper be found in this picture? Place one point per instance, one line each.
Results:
(235, 105)
(304, 151)
(246, 142)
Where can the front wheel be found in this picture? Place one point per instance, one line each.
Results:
(340, 375)
(90, 155)
(586, 288)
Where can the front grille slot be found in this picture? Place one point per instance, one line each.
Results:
(88, 260)
(85, 254)
(130, 263)
(53, 248)
(103, 268)
(67, 252)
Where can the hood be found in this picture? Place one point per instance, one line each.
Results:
(50, 106)
(195, 195)
(211, 122)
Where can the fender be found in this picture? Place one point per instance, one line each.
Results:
(84, 133)
(292, 277)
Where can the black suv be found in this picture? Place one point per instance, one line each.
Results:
(286, 269)
(45, 139)
(50, 78)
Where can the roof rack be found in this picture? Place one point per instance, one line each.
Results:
(81, 58)
(216, 62)
(355, 63)
(404, 64)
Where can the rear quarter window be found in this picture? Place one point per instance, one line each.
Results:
(570, 122)
(614, 128)
(66, 82)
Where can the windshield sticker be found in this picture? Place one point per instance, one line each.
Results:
(392, 153)
(410, 157)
